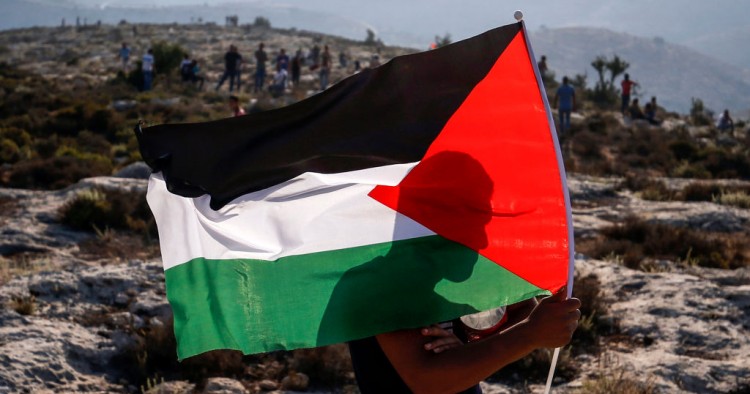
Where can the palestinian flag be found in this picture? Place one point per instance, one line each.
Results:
(422, 190)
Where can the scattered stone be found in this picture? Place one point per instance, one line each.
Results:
(268, 385)
(172, 387)
(295, 381)
(123, 105)
(224, 386)
(137, 170)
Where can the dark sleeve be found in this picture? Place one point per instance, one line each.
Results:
(375, 373)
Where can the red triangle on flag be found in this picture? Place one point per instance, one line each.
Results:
(491, 180)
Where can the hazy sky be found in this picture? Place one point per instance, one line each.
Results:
(718, 28)
(672, 19)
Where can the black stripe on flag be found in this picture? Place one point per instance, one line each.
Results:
(387, 115)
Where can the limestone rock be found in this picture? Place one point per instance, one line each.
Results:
(224, 386)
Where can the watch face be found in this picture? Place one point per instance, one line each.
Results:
(484, 320)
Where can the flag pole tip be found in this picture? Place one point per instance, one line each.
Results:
(518, 15)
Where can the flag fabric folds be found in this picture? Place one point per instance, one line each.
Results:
(425, 189)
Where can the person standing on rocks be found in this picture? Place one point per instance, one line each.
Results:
(725, 122)
(232, 60)
(260, 69)
(627, 85)
(124, 55)
(148, 69)
(296, 67)
(543, 66)
(325, 68)
(234, 105)
(565, 101)
(282, 61)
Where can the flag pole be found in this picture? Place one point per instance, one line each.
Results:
(518, 15)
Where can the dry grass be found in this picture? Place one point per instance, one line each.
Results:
(23, 264)
(593, 324)
(118, 245)
(24, 305)
(738, 199)
(329, 366)
(616, 380)
(607, 148)
(635, 240)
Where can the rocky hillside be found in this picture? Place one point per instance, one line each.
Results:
(661, 213)
(71, 323)
(673, 73)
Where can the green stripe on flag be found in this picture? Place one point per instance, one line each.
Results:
(328, 297)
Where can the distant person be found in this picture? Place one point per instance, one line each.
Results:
(543, 66)
(627, 85)
(260, 69)
(565, 101)
(186, 66)
(282, 61)
(296, 67)
(232, 60)
(279, 83)
(725, 122)
(343, 61)
(315, 57)
(374, 61)
(234, 105)
(194, 75)
(148, 68)
(649, 111)
(124, 55)
(325, 68)
(634, 110)
(357, 66)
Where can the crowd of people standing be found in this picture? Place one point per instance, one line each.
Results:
(275, 75)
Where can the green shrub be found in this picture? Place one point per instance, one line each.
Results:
(104, 208)
(167, 57)
(56, 172)
(87, 141)
(649, 188)
(635, 240)
(691, 170)
(46, 147)
(683, 149)
(722, 163)
(700, 191)
(738, 199)
(9, 152)
(19, 136)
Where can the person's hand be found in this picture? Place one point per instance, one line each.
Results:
(442, 339)
(554, 320)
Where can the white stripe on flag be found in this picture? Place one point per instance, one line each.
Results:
(310, 213)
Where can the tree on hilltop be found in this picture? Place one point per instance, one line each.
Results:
(262, 22)
(443, 41)
(605, 93)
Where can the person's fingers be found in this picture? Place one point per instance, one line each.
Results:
(442, 342)
(445, 347)
(435, 331)
(559, 296)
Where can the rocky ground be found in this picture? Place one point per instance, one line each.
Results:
(85, 311)
(682, 328)
(58, 55)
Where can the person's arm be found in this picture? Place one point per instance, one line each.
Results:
(551, 324)
(440, 339)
